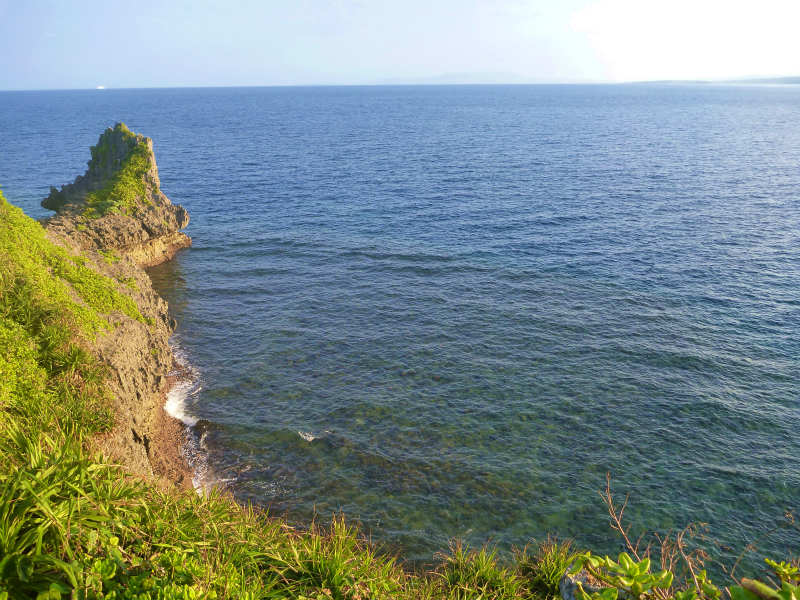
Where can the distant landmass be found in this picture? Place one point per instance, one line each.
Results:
(474, 78)
(503, 78)
(790, 80)
(754, 80)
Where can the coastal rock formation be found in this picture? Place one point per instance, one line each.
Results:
(118, 205)
(147, 440)
(568, 584)
(116, 216)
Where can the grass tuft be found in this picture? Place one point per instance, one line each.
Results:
(545, 566)
(475, 574)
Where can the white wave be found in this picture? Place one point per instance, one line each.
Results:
(195, 452)
(176, 402)
(309, 437)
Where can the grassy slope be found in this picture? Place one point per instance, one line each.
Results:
(73, 524)
(126, 188)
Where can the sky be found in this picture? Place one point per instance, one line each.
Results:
(61, 44)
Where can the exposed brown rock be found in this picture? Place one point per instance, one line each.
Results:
(146, 440)
(146, 228)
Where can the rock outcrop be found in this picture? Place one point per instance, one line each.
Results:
(118, 205)
(116, 216)
(568, 584)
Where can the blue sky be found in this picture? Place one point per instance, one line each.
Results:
(147, 43)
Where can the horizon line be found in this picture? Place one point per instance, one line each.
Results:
(786, 80)
(106, 88)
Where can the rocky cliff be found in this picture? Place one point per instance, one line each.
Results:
(118, 205)
(116, 216)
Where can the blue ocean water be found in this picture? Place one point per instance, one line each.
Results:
(450, 311)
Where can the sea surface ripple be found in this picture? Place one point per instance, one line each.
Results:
(450, 311)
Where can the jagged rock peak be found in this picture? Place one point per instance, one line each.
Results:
(118, 203)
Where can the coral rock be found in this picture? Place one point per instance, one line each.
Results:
(118, 205)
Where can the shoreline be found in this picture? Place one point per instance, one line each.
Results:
(191, 460)
(144, 373)
(117, 219)
(170, 442)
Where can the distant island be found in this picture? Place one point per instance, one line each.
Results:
(754, 80)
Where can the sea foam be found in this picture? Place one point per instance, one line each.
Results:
(195, 452)
(176, 402)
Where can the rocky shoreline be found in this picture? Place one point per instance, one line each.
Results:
(121, 240)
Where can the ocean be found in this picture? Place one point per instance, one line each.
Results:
(451, 311)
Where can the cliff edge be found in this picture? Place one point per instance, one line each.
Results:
(118, 205)
(116, 216)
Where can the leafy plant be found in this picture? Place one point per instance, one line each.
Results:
(631, 578)
(789, 589)
(624, 575)
(786, 572)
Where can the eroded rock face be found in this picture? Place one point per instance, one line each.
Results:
(568, 585)
(120, 229)
(118, 205)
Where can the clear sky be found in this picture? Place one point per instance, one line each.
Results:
(155, 43)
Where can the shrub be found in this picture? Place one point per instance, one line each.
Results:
(474, 575)
(127, 188)
(544, 569)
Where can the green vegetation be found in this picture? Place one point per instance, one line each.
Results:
(51, 305)
(681, 563)
(38, 276)
(73, 525)
(476, 574)
(546, 566)
(126, 190)
(109, 256)
(632, 579)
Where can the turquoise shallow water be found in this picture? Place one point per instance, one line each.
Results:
(450, 311)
